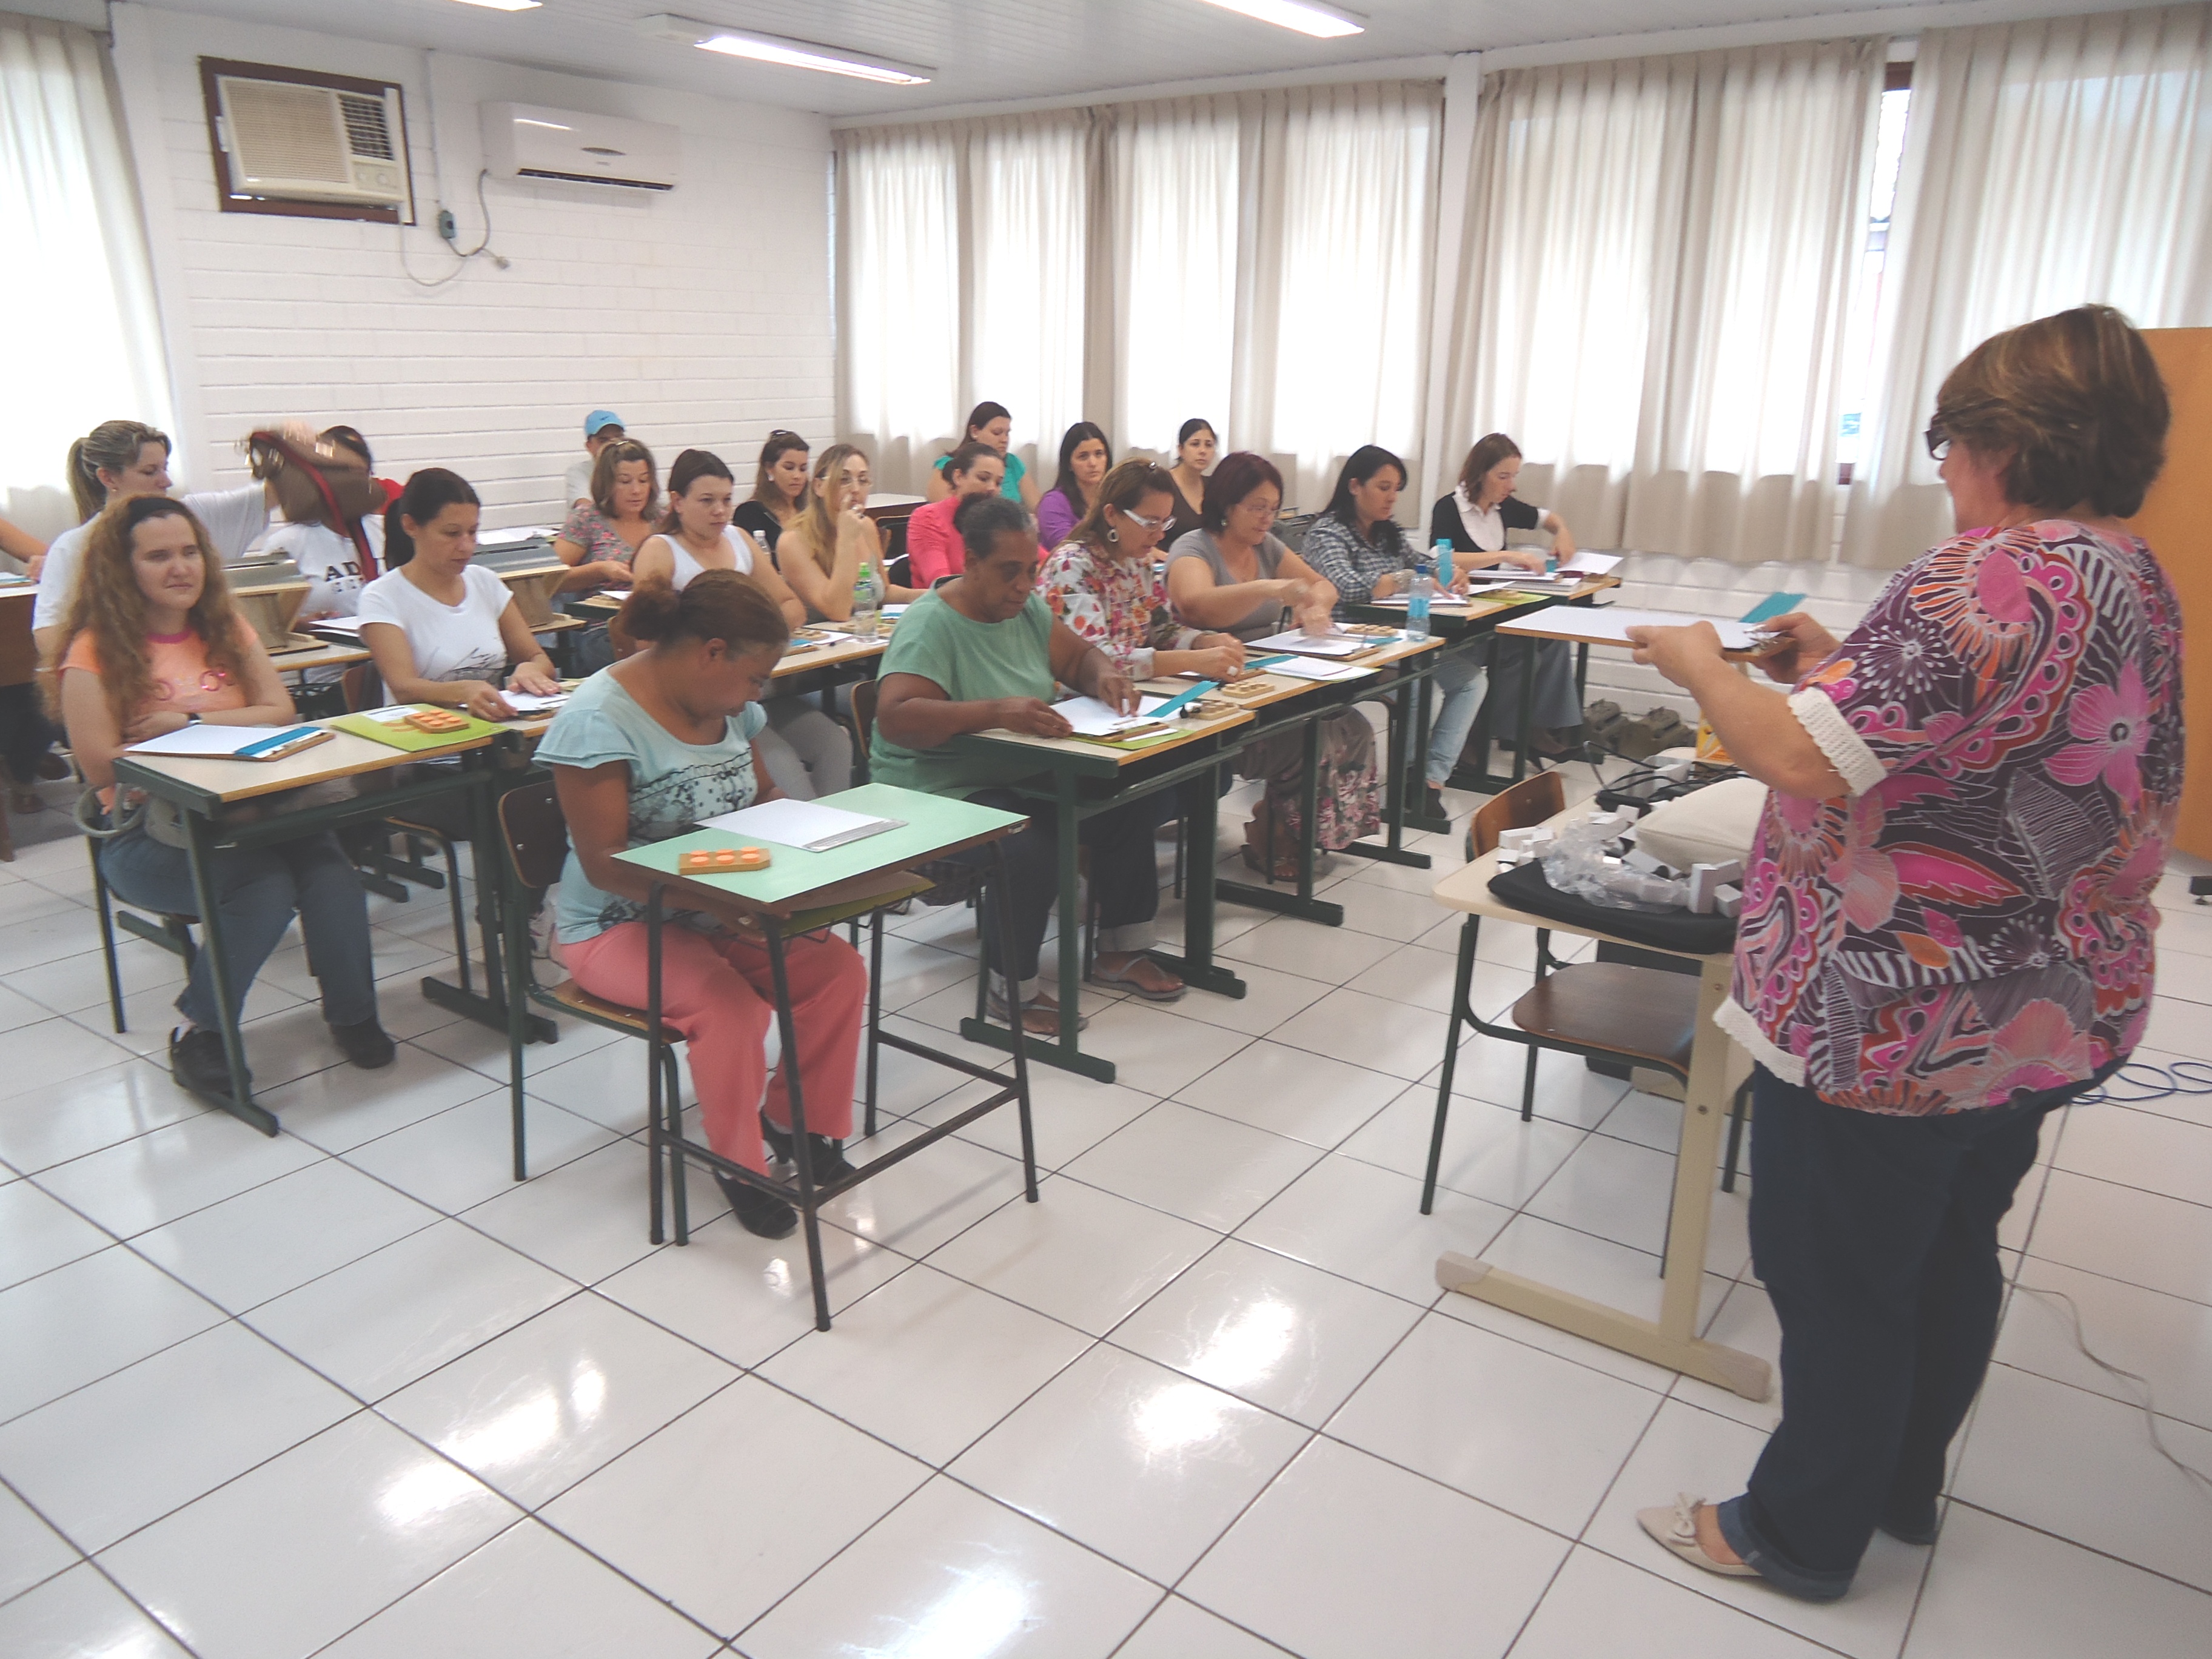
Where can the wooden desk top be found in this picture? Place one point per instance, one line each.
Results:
(835, 651)
(18, 658)
(323, 656)
(1116, 756)
(345, 756)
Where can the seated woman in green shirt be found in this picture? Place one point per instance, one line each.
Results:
(983, 651)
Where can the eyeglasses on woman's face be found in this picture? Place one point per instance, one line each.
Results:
(1140, 520)
(1939, 441)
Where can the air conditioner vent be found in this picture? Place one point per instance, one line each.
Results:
(368, 131)
(283, 132)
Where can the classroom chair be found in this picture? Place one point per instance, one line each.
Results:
(1644, 1016)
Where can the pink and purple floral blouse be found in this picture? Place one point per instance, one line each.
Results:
(1975, 918)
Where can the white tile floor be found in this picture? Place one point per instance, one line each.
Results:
(352, 1391)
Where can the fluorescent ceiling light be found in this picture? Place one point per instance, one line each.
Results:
(1323, 22)
(506, 5)
(792, 54)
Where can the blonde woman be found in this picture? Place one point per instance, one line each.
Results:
(824, 545)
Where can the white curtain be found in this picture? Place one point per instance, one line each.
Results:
(1029, 191)
(84, 334)
(1658, 261)
(1333, 351)
(2046, 164)
(1258, 259)
(1175, 172)
(898, 245)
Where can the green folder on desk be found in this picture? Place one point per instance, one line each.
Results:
(929, 821)
(413, 739)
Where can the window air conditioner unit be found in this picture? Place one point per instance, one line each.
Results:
(524, 141)
(289, 141)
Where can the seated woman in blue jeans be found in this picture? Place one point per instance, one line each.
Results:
(156, 644)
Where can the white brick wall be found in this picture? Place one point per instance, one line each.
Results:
(702, 315)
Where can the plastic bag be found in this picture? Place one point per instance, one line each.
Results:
(1578, 863)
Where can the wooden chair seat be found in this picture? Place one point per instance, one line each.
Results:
(1636, 1012)
(569, 994)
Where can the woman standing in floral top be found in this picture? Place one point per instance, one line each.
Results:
(1100, 581)
(1946, 927)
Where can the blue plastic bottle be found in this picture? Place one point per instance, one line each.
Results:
(1417, 602)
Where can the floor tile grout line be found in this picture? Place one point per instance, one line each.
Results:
(96, 1565)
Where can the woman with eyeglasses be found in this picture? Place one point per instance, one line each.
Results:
(1234, 574)
(1947, 925)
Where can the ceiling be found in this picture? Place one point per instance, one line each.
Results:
(983, 49)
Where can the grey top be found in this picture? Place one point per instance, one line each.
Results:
(1200, 545)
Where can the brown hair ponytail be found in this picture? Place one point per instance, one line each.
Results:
(113, 445)
(718, 605)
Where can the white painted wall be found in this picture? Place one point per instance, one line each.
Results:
(702, 315)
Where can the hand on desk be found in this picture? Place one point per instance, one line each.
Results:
(1218, 656)
(1033, 718)
(532, 679)
(153, 724)
(481, 698)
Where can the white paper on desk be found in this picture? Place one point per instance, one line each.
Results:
(1313, 668)
(1611, 624)
(349, 626)
(509, 538)
(1591, 564)
(529, 703)
(806, 824)
(1314, 645)
(1090, 717)
(204, 742)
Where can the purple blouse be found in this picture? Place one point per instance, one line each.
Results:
(1975, 917)
(1056, 515)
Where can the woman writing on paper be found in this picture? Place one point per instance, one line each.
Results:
(1357, 544)
(1476, 519)
(442, 630)
(1947, 929)
(983, 651)
(658, 742)
(156, 645)
(1232, 573)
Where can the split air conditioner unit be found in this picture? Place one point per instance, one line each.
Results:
(524, 141)
(286, 141)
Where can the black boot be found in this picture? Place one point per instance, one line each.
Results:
(365, 1044)
(198, 1065)
(757, 1211)
(829, 1163)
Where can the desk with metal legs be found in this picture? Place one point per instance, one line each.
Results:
(1716, 1066)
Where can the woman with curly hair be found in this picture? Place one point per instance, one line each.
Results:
(156, 644)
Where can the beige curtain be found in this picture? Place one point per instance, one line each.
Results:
(1657, 280)
(85, 340)
(2046, 164)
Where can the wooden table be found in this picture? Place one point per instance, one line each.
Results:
(1082, 778)
(329, 655)
(1716, 1066)
(533, 587)
(203, 790)
(802, 891)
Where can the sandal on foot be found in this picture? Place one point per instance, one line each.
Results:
(1675, 1531)
(1039, 1016)
(1124, 978)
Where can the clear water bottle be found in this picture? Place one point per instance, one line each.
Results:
(1444, 561)
(863, 619)
(1417, 602)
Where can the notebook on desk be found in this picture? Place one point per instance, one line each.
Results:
(808, 825)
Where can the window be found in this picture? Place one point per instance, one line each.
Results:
(1866, 291)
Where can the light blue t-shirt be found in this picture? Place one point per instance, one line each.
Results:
(672, 786)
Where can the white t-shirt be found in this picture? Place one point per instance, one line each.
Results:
(330, 562)
(576, 482)
(450, 642)
(233, 517)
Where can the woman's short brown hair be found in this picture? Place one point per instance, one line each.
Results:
(2076, 398)
(718, 605)
(1483, 459)
(1239, 474)
(610, 457)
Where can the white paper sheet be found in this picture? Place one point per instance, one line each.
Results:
(1611, 624)
(1092, 719)
(1309, 645)
(205, 742)
(808, 825)
(528, 703)
(349, 626)
(1313, 668)
(1591, 564)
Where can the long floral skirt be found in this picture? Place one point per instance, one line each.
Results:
(1348, 794)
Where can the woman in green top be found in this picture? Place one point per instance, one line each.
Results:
(983, 651)
(988, 423)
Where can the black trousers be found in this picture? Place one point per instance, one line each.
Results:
(1876, 1238)
(1124, 873)
(26, 733)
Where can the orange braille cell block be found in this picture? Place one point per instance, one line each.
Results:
(723, 861)
(438, 720)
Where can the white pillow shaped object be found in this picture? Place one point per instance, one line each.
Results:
(1708, 826)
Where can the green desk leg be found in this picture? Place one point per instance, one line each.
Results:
(1528, 711)
(1202, 808)
(517, 1023)
(199, 835)
(1066, 1053)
